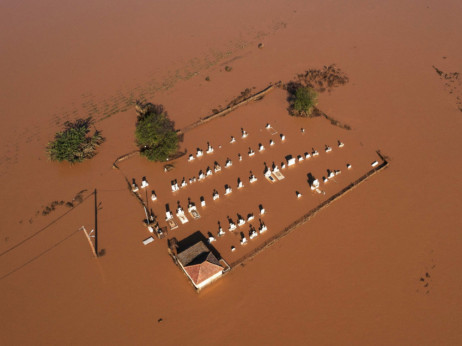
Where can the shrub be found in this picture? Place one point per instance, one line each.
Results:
(73, 144)
(155, 135)
(304, 101)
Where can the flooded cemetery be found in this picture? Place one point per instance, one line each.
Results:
(245, 178)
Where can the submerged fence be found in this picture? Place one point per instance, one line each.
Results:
(230, 108)
(300, 221)
(205, 120)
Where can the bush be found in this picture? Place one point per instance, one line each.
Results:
(73, 144)
(155, 135)
(304, 101)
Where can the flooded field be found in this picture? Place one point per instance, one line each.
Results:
(380, 265)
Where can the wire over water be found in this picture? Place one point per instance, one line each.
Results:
(44, 228)
(39, 255)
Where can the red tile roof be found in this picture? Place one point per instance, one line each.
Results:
(201, 272)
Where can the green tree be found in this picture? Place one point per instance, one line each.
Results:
(304, 101)
(156, 136)
(73, 144)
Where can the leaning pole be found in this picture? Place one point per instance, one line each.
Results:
(96, 226)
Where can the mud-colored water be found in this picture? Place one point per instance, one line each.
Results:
(381, 265)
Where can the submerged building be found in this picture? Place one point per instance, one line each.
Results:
(198, 261)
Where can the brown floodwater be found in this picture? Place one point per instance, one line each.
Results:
(381, 265)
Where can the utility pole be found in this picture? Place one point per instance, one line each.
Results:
(96, 226)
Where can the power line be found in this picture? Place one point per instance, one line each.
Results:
(39, 255)
(44, 228)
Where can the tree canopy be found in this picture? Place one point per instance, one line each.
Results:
(303, 101)
(72, 144)
(155, 134)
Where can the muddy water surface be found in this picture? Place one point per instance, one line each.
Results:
(381, 265)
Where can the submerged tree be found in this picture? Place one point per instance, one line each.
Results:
(303, 101)
(73, 144)
(321, 80)
(155, 133)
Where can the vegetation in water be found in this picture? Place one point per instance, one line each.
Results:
(155, 133)
(73, 144)
(321, 80)
(303, 101)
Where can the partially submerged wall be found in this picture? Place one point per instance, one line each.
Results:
(203, 121)
(300, 221)
(229, 108)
